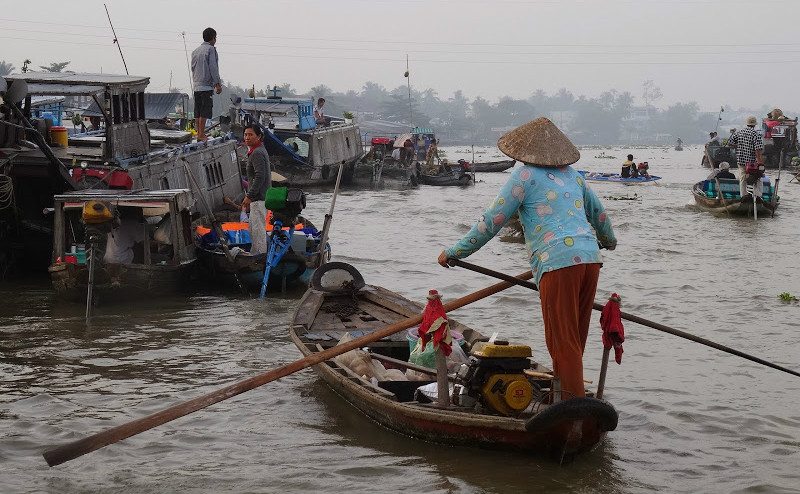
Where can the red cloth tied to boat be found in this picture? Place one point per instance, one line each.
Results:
(611, 322)
(434, 325)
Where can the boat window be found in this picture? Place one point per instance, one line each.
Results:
(126, 109)
(140, 102)
(186, 226)
(134, 106)
(116, 111)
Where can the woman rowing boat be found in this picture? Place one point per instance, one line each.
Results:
(558, 211)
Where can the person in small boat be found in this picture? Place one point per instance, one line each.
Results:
(432, 156)
(560, 215)
(725, 171)
(626, 167)
(774, 119)
(259, 179)
(749, 158)
(642, 168)
(125, 243)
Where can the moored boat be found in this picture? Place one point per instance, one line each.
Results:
(617, 178)
(129, 244)
(491, 166)
(447, 176)
(480, 413)
(294, 269)
(727, 199)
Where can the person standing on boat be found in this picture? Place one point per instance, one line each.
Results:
(559, 214)
(205, 74)
(259, 179)
(626, 167)
(319, 113)
(749, 157)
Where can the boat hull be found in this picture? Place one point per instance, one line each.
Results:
(454, 425)
(617, 178)
(121, 281)
(292, 272)
(449, 179)
(732, 206)
(492, 166)
(384, 174)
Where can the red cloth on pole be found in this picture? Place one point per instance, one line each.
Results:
(611, 322)
(434, 325)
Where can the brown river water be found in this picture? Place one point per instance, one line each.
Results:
(692, 419)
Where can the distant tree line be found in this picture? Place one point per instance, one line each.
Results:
(610, 118)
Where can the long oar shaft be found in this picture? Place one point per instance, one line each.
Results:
(73, 450)
(632, 318)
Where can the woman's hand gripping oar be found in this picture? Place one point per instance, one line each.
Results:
(73, 450)
(629, 317)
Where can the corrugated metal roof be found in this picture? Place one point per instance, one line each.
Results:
(75, 78)
(63, 90)
(157, 106)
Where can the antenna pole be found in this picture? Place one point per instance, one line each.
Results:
(188, 66)
(116, 41)
(408, 78)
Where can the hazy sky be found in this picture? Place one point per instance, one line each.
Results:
(733, 52)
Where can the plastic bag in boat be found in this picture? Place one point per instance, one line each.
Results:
(427, 357)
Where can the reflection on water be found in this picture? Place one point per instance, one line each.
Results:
(691, 419)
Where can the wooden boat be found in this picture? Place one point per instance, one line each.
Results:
(447, 176)
(323, 317)
(617, 178)
(122, 155)
(490, 166)
(162, 259)
(307, 154)
(729, 200)
(385, 173)
(293, 271)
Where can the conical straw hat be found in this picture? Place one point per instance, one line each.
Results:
(539, 143)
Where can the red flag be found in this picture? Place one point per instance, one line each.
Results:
(611, 322)
(434, 324)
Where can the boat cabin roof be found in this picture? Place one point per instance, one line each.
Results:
(143, 199)
(77, 84)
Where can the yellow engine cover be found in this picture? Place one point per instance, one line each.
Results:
(96, 212)
(489, 350)
(508, 394)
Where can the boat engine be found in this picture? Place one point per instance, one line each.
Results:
(495, 376)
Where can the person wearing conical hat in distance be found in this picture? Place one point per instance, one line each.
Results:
(563, 222)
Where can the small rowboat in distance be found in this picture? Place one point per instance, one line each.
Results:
(491, 166)
(325, 315)
(707, 195)
(617, 178)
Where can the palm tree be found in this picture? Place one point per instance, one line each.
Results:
(6, 68)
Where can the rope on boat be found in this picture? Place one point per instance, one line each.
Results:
(6, 192)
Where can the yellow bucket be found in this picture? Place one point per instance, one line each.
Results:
(58, 136)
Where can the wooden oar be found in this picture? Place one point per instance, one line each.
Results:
(73, 450)
(629, 317)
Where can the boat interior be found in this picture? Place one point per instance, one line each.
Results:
(339, 318)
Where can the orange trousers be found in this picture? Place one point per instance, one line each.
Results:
(567, 295)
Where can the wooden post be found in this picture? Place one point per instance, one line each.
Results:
(442, 388)
(601, 382)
